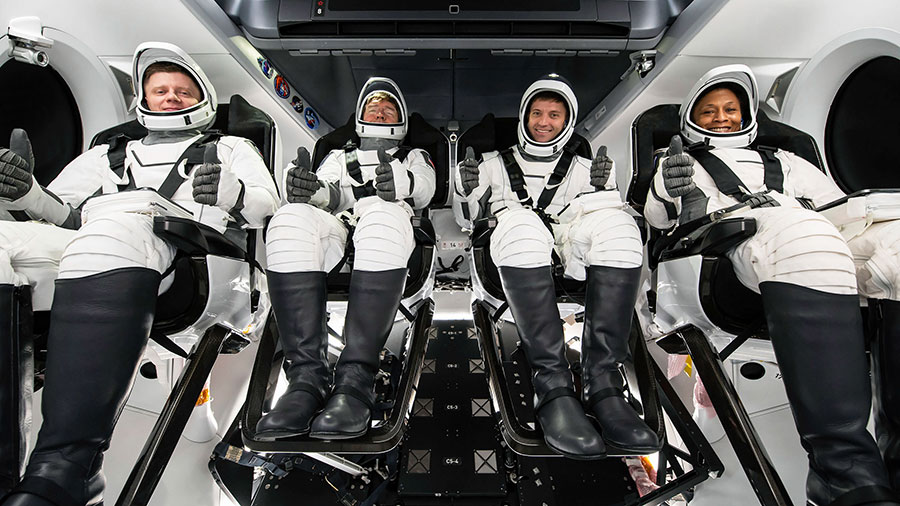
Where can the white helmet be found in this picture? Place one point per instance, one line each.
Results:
(195, 117)
(739, 79)
(556, 84)
(381, 85)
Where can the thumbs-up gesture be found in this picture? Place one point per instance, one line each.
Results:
(16, 166)
(677, 169)
(601, 168)
(215, 185)
(302, 182)
(468, 172)
(391, 183)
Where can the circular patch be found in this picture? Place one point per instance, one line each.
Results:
(297, 104)
(281, 87)
(312, 119)
(265, 67)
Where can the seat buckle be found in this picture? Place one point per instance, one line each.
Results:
(558, 270)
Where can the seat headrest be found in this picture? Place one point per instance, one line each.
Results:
(652, 131)
(495, 134)
(420, 134)
(237, 118)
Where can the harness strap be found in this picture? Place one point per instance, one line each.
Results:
(517, 177)
(774, 176)
(116, 156)
(193, 155)
(351, 161)
(728, 182)
(559, 172)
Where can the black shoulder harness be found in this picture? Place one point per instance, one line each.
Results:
(517, 177)
(728, 182)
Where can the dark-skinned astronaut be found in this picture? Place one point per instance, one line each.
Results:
(800, 264)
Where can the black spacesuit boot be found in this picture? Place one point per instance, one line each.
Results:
(532, 300)
(99, 326)
(818, 341)
(608, 309)
(374, 298)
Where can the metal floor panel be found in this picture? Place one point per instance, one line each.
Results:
(453, 446)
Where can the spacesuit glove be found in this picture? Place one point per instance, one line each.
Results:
(601, 168)
(468, 172)
(215, 185)
(16, 166)
(677, 170)
(392, 183)
(20, 192)
(302, 183)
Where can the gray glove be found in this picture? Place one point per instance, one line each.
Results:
(468, 172)
(215, 185)
(384, 177)
(16, 166)
(601, 168)
(677, 170)
(302, 182)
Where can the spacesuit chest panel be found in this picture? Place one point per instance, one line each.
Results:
(739, 172)
(537, 183)
(149, 165)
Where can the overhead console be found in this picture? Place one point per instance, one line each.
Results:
(396, 25)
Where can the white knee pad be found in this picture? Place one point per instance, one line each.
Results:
(383, 239)
(304, 238)
(608, 237)
(795, 246)
(521, 240)
(115, 241)
(876, 253)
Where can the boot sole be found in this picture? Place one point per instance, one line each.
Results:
(272, 435)
(575, 456)
(613, 447)
(337, 435)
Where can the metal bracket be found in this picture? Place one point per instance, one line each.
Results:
(642, 62)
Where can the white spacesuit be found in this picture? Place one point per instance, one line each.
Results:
(797, 261)
(375, 183)
(549, 200)
(112, 267)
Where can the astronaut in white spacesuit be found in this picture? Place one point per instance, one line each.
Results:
(112, 266)
(376, 183)
(548, 200)
(798, 262)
